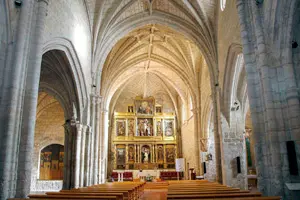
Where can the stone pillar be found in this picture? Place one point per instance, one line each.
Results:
(87, 145)
(217, 134)
(269, 68)
(12, 87)
(96, 130)
(77, 155)
(196, 139)
(30, 102)
(103, 147)
(67, 155)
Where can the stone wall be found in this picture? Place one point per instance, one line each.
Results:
(69, 20)
(233, 146)
(228, 34)
(188, 142)
(48, 130)
(211, 165)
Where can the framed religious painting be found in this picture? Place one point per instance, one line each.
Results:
(120, 127)
(170, 154)
(144, 107)
(169, 127)
(120, 156)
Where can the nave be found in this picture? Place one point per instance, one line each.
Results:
(162, 190)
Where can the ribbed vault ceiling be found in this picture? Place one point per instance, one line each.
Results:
(109, 16)
(160, 56)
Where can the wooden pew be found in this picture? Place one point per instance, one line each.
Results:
(208, 190)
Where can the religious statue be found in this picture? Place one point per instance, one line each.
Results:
(145, 127)
(160, 153)
(145, 154)
(158, 128)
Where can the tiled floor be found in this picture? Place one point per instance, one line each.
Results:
(157, 194)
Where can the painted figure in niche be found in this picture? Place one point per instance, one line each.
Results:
(131, 127)
(158, 128)
(131, 154)
(170, 155)
(47, 156)
(121, 156)
(158, 109)
(61, 156)
(145, 107)
(169, 128)
(121, 128)
(145, 154)
(160, 153)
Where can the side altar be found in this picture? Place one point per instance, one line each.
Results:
(144, 138)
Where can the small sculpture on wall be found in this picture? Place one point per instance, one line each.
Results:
(131, 154)
(158, 128)
(160, 153)
(145, 154)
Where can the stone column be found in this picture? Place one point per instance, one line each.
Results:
(196, 140)
(30, 102)
(103, 141)
(96, 132)
(217, 134)
(77, 155)
(67, 155)
(87, 156)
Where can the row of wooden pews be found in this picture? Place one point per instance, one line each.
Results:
(203, 189)
(108, 191)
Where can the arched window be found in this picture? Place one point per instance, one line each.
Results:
(52, 162)
(222, 4)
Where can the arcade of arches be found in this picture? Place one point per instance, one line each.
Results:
(93, 87)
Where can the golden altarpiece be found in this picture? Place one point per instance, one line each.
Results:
(144, 137)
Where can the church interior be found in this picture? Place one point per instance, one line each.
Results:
(150, 99)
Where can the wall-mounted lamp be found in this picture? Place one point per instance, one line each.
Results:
(18, 3)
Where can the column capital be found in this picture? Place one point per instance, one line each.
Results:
(96, 99)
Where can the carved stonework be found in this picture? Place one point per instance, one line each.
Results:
(203, 146)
